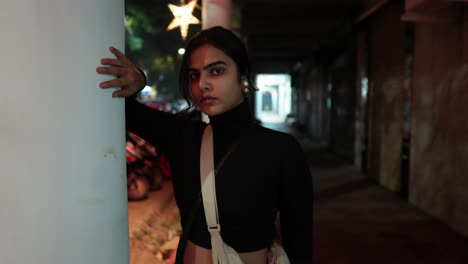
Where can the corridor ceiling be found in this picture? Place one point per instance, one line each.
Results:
(281, 33)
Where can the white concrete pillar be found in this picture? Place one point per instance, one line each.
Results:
(216, 13)
(62, 157)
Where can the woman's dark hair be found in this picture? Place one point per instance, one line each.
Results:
(222, 39)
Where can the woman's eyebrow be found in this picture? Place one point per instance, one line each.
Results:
(209, 65)
(214, 64)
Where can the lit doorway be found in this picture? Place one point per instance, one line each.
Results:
(273, 100)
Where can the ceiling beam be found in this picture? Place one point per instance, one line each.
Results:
(289, 26)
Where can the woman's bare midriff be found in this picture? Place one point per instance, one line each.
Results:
(197, 255)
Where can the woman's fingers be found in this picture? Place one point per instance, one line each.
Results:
(115, 83)
(122, 93)
(121, 60)
(119, 54)
(116, 52)
(109, 84)
(116, 71)
(123, 80)
(117, 94)
(113, 62)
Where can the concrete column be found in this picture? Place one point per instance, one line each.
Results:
(62, 162)
(216, 13)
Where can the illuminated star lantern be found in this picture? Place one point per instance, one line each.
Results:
(183, 17)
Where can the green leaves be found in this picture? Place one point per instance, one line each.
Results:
(151, 47)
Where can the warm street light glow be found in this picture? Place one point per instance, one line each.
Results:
(183, 17)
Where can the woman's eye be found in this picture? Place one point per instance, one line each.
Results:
(217, 71)
(193, 76)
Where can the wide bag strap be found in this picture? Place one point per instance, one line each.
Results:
(207, 178)
(208, 187)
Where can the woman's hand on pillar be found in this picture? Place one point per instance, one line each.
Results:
(129, 78)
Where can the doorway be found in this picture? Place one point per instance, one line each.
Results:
(273, 100)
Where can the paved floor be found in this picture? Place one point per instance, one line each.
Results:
(154, 227)
(367, 224)
(355, 220)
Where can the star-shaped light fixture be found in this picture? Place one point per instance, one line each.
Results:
(183, 17)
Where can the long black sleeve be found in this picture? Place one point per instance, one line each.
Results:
(296, 205)
(157, 127)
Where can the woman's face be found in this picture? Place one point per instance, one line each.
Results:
(214, 80)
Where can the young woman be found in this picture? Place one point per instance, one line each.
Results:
(265, 173)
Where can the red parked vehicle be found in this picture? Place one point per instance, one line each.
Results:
(146, 168)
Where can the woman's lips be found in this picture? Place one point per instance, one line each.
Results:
(208, 100)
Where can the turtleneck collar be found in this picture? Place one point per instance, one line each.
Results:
(238, 116)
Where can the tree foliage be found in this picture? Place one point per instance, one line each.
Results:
(151, 47)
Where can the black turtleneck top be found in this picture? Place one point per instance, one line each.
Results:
(265, 173)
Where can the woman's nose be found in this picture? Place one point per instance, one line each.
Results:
(204, 83)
